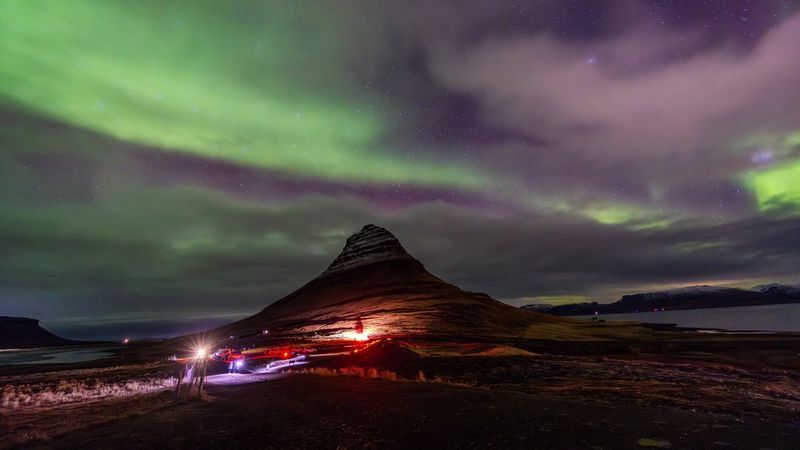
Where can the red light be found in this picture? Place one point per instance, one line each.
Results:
(285, 354)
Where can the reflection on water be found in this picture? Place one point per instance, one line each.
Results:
(54, 355)
(751, 318)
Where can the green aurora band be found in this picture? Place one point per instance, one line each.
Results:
(208, 78)
(248, 85)
(776, 188)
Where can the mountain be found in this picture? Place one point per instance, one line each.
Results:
(22, 332)
(541, 307)
(780, 289)
(375, 285)
(686, 297)
(691, 297)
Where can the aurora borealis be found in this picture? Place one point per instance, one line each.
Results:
(172, 162)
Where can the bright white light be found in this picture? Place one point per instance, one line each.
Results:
(201, 353)
(239, 363)
(354, 336)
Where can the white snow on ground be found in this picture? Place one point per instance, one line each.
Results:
(79, 386)
(75, 391)
(224, 379)
(70, 391)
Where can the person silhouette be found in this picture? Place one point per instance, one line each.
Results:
(359, 326)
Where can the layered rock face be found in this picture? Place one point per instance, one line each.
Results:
(370, 245)
(375, 284)
(22, 332)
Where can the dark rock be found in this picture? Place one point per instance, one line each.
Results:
(22, 332)
(371, 244)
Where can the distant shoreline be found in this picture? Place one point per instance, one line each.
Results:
(779, 318)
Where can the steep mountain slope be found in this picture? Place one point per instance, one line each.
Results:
(21, 332)
(376, 284)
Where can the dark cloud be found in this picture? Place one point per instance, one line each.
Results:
(595, 110)
(536, 255)
(645, 101)
(254, 255)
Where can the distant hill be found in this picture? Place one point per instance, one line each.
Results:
(22, 332)
(692, 297)
(374, 287)
(539, 307)
(779, 289)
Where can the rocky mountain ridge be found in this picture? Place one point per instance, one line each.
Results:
(371, 244)
(690, 297)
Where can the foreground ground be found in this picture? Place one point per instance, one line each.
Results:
(437, 395)
(310, 411)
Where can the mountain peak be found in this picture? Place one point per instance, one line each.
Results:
(370, 245)
(375, 286)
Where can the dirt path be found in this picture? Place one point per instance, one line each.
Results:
(306, 411)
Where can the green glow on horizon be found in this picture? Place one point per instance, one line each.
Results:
(632, 216)
(207, 79)
(635, 217)
(80, 244)
(779, 142)
(698, 246)
(557, 299)
(793, 140)
(775, 187)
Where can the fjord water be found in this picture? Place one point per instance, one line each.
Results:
(54, 355)
(784, 317)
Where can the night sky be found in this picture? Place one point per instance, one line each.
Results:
(169, 165)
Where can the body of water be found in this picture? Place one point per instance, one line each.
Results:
(784, 317)
(54, 355)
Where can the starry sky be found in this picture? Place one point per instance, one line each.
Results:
(166, 166)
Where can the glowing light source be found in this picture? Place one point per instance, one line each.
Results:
(356, 336)
(201, 352)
